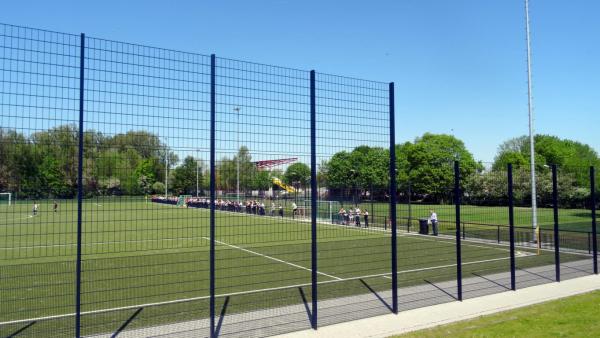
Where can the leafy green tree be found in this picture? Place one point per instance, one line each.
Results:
(352, 173)
(158, 188)
(53, 180)
(297, 172)
(572, 158)
(227, 171)
(110, 186)
(145, 173)
(184, 177)
(431, 169)
(262, 181)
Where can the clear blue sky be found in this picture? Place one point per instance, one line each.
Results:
(459, 66)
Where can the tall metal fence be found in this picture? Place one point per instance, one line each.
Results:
(165, 193)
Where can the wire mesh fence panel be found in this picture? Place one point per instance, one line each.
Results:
(536, 236)
(427, 272)
(354, 253)
(263, 233)
(39, 91)
(144, 251)
(485, 224)
(574, 221)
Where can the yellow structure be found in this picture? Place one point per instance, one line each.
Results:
(283, 185)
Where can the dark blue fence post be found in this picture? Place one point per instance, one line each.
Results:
(458, 247)
(393, 200)
(555, 209)
(498, 233)
(212, 194)
(594, 233)
(313, 197)
(511, 229)
(79, 190)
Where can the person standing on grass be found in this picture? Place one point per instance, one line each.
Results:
(434, 222)
(341, 216)
(357, 216)
(35, 208)
(281, 211)
(366, 214)
(294, 209)
(55, 206)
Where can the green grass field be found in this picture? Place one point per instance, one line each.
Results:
(138, 253)
(570, 317)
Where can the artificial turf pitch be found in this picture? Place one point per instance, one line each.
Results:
(137, 254)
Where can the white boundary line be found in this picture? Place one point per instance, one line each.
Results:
(110, 243)
(273, 258)
(521, 254)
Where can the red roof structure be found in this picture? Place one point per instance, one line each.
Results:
(268, 164)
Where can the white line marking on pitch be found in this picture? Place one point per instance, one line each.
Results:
(109, 243)
(517, 254)
(273, 258)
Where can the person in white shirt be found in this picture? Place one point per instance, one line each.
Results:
(357, 216)
(294, 209)
(434, 222)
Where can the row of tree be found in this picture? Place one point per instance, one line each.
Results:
(44, 164)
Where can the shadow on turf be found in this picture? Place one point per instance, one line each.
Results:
(222, 316)
(14, 334)
(439, 288)
(376, 295)
(537, 274)
(126, 323)
(490, 280)
(308, 312)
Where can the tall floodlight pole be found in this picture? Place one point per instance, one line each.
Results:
(237, 134)
(531, 130)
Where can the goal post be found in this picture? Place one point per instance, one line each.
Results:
(6, 198)
(181, 200)
(326, 210)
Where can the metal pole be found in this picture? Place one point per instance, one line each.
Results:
(409, 204)
(594, 233)
(511, 222)
(79, 189)
(393, 192)
(555, 209)
(531, 131)
(313, 198)
(212, 194)
(197, 165)
(458, 246)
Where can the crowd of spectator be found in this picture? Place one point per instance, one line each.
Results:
(165, 200)
(352, 216)
(253, 207)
